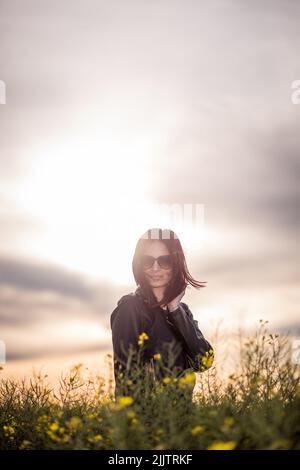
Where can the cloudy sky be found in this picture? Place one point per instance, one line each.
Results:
(116, 108)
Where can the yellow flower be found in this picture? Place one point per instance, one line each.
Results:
(74, 422)
(166, 380)
(55, 431)
(134, 421)
(207, 360)
(190, 377)
(228, 421)
(53, 436)
(222, 445)
(157, 356)
(54, 427)
(142, 337)
(131, 414)
(9, 432)
(124, 401)
(197, 430)
(8, 429)
(95, 439)
(188, 380)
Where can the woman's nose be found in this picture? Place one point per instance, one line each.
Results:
(155, 266)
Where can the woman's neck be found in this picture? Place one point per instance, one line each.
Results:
(159, 293)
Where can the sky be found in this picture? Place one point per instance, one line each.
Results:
(116, 109)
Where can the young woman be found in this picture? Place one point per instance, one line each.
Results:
(154, 315)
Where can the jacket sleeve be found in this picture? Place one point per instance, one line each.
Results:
(199, 352)
(126, 324)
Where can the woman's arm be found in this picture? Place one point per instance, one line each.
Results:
(199, 351)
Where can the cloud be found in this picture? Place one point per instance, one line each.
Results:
(16, 353)
(32, 291)
(47, 310)
(247, 271)
(34, 275)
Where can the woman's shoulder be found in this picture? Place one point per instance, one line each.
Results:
(184, 305)
(128, 305)
(130, 299)
(126, 298)
(186, 308)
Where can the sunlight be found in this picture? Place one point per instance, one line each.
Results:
(92, 192)
(84, 194)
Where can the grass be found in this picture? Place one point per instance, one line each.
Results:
(256, 407)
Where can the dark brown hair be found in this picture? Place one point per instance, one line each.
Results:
(181, 276)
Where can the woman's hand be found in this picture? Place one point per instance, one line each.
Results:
(175, 302)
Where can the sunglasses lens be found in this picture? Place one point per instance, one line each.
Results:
(147, 262)
(165, 262)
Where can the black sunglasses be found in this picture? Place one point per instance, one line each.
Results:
(165, 261)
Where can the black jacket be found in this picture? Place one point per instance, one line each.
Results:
(174, 335)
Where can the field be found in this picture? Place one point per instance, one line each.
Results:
(257, 406)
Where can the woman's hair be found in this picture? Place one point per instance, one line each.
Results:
(180, 275)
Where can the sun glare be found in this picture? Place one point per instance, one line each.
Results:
(91, 197)
(85, 194)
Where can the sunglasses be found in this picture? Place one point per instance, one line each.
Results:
(165, 262)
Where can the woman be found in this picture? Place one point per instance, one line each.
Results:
(152, 320)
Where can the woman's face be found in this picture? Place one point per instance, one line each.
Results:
(157, 276)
